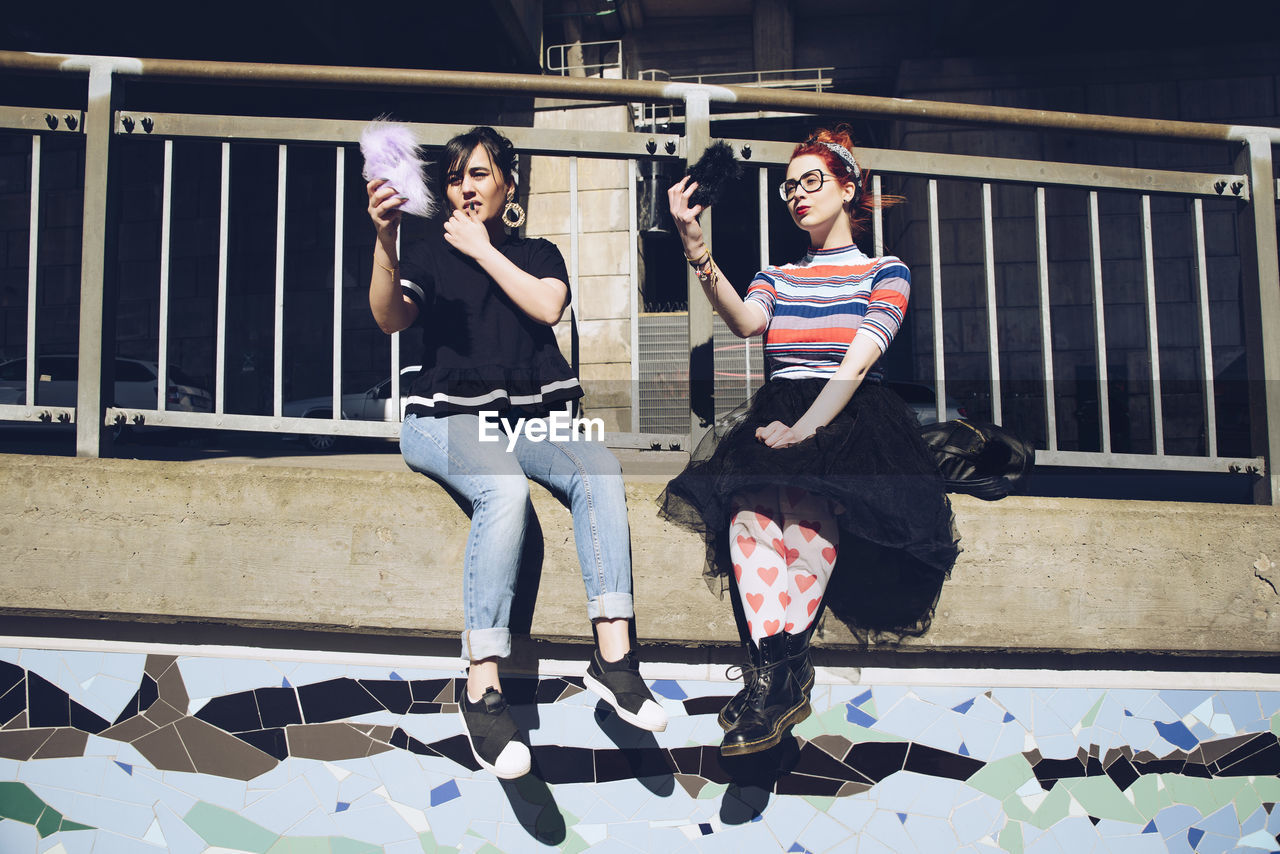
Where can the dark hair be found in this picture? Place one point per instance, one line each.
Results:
(864, 203)
(458, 150)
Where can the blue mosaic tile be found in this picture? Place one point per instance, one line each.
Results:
(1177, 734)
(861, 698)
(854, 715)
(963, 708)
(444, 793)
(668, 688)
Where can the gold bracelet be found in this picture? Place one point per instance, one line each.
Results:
(700, 262)
(391, 270)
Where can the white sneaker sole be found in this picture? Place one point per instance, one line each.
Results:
(635, 720)
(516, 768)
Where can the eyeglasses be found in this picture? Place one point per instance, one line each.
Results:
(811, 181)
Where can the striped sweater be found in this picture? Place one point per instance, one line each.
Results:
(815, 306)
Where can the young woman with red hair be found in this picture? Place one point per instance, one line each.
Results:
(825, 471)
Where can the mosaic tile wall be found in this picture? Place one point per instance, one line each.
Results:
(137, 752)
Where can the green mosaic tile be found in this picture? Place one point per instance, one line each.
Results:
(1092, 714)
(1052, 809)
(1247, 801)
(1101, 798)
(1015, 809)
(1149, 796)
(1275, 723)
(1011, 837)
(343, 845)
(1268, 788)
(489, 848)
(49, 822)
(1002, 778)
(1205, 795)
(225, 829)
(67, 824)
(20, 803)
(574, 844)
(712, 790)
(819, 803)
(429, 845)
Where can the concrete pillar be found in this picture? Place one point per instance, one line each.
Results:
(602, 292)
(773, 29)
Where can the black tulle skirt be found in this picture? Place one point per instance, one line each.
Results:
(898, 540)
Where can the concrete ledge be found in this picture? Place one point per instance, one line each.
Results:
(264, 545)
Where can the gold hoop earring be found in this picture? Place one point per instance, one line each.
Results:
(513, 214)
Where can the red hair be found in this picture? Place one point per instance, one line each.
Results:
(864, 203)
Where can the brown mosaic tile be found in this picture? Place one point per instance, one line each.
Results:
(163, 749)
(691, 784)
(836, 746)
(131, 730)
(571, 690)
(1208, 752)
(172, 688)
(852, 788)
(381, 733)
(162, 714)
(156, 665)
(331, 741)
(446, 694)
(22, 744)
(220, 754)
(19, 721)
(63, 743)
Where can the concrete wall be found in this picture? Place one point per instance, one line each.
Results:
(263, 545)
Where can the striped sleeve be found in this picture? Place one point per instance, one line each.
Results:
(763, 292)
(887, 303)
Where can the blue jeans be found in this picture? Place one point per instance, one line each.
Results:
(585, 475)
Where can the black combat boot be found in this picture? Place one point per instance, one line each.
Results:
(774, 701)
(797, 659)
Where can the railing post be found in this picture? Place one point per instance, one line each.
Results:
(702, 401)
(1261, 301)
(96, 382)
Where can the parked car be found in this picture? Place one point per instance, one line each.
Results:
(136, 383)
(924, 400)
(373, 404)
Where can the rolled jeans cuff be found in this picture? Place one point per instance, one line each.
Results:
(611, 606)
(479, 644)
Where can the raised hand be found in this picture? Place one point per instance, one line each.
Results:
(384, 206)
(464, 232)
(685, 217)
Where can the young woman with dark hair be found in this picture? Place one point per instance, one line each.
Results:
(826, 468)
(487, 301)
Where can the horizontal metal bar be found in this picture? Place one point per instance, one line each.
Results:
(55, 414)
(1038, 172)
(1154, 462)
(43, 119)
(603, 144)
(253, 423)
(617, 91)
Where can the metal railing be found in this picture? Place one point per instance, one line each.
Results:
(559, 58)
(661, 116)
(99, 119)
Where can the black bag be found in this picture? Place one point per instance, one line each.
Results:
(980, 459)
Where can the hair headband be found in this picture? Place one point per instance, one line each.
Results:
(848, 161)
